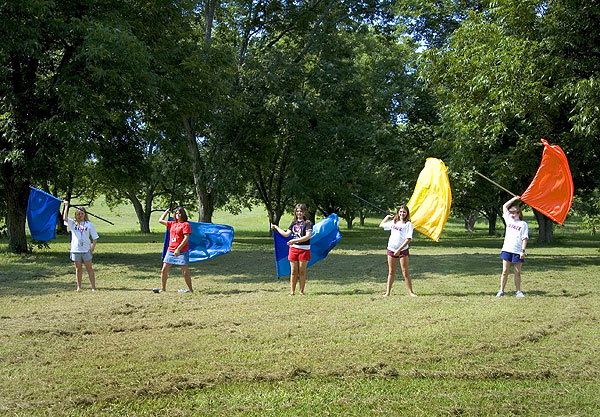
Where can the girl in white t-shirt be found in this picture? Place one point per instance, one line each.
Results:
(82, 247)
(515, 242)
(397, 250)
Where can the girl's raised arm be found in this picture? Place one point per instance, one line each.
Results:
(65, 211)
(385, 220)
(163, 217)
(507, 205)
(279, 230)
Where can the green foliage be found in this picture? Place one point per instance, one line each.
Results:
(588, 205)
(280, 101)
(70, 71)
(510, 74)
(433, 22)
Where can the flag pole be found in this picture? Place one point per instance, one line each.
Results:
(92, 214)
(495, 183)
(378, 208)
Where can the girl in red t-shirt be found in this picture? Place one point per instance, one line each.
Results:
(178, 250)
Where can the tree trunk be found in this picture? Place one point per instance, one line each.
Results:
(274, 217)
(546, 228)
(362, 216)
(17, 196)
(470, 219)
(349, 219)
(492, 216)
(269, 182)
(143, 217)
(312, 214)
(209, 17)
(205, 198)
(205, 204)
(61, 228)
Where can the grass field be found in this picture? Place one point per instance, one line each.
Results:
(240, 346)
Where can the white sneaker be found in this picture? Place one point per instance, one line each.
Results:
(519, 294)
(500, 294)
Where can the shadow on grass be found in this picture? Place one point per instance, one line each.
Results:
(37, 274)
(30, 280)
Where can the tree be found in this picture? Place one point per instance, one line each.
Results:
(65, 68)
(140, 165)
(308, 118)
(501, 84)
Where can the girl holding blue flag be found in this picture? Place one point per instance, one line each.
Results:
(178, 250)
(299, 253)
(397, 250)
(81, 248)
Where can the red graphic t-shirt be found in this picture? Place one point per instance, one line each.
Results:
(178, 231)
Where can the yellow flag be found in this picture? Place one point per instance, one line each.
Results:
(430, 203)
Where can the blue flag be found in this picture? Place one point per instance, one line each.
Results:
(206, 241)
(42, 210)
(325, 235)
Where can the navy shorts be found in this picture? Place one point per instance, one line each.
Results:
(182, 259)
(514, 258)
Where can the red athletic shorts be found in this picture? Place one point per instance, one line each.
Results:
(296, 254)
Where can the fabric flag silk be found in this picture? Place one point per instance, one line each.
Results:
(206, 241)
(431, 200)
(42, 210)
(551, 191)
(325, 235)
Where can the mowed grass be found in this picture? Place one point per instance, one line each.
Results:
(241, 346)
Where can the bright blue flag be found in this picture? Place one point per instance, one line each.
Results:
(325, 235)
(42, 210)
(206, 241)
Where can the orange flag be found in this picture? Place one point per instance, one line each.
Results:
(551, 191)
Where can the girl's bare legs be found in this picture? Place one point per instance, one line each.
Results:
(404, 266)
(294, 265)
(518, 276)
(391, 273)
(186, 275)
(78, 273)
(504, 276)
(164, 274)
(302, 275)
(91, 274)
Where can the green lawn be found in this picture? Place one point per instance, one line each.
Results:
(241, 346)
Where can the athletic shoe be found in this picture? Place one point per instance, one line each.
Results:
(184, 290)
(519, 294)
(500, 294)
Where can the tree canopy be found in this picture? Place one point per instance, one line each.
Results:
(277, 102)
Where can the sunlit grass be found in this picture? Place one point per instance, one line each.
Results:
(241, 346)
